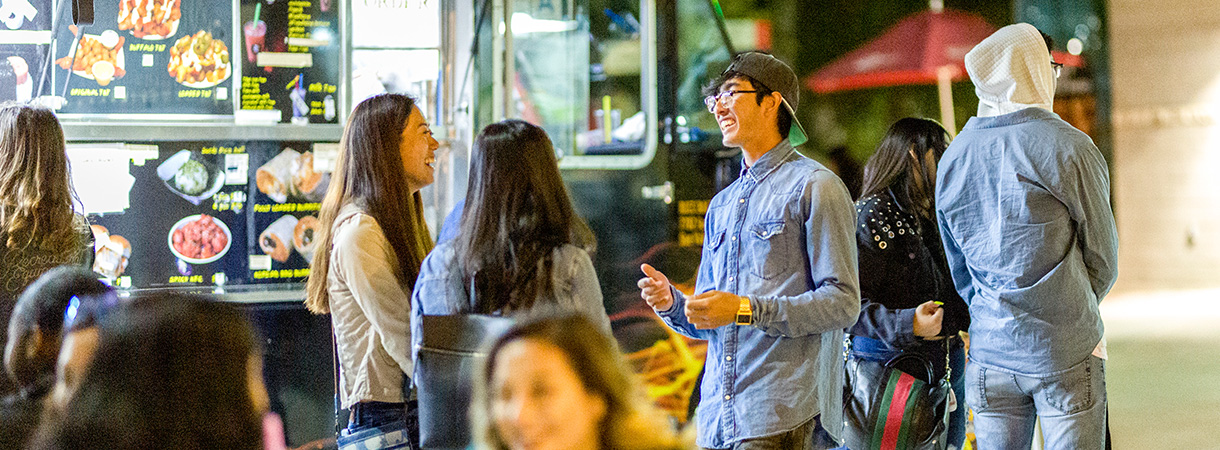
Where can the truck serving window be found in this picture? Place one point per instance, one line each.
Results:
(584, 70)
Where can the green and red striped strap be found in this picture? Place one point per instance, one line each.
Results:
(897, 403)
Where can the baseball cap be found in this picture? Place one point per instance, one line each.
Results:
(776, 76)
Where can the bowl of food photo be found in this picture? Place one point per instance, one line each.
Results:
(191, 177)
(199, 239)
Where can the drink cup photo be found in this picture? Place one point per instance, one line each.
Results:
(255, 33)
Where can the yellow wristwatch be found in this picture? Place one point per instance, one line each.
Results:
(745, 314)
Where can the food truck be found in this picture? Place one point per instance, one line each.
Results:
(202, 133)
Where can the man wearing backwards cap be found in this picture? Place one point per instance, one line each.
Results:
(777, 283)
(1023, 201)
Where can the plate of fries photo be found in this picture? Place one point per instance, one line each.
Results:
(100, 57)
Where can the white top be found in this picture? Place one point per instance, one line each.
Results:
(370, 311)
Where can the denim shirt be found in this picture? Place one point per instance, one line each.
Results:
(783, 236)
(1023, 201)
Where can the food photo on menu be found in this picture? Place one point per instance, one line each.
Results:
(111, 252)
(98, 57)
(292, 173)
(191, 176)
(199, 239)
(199, 61)
(289, 233)
(16, 84)
(150, 20)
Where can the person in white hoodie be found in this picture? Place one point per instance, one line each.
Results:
(373, 239)
(1022, 199)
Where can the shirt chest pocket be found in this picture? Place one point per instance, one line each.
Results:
(767, 248)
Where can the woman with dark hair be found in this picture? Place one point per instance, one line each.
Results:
(908, 303)
(521, 246)
(38, 229)
(372, 240)
(560, 383)
(170, 371)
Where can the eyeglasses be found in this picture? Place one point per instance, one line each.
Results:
(725, 99)
(1057, 67)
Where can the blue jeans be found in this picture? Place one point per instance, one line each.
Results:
(380, 425)
(874, 350)
(1071, 404)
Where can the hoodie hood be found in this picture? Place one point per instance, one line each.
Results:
(1011, 71)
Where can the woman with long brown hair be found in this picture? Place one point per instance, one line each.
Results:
(521, 245)
(372, 241)
(38, 228)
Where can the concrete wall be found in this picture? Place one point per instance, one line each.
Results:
(1166, 175)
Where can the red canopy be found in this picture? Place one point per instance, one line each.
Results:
(910, 52)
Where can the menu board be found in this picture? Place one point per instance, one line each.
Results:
(290, 65)
(201, 214)
(24, 26)
(148, 57)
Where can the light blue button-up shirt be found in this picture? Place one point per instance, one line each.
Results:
(1023, 201)
(783, 235)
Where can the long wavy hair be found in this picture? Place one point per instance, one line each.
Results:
(369, 173)
(517, 213)
(35, 179)
(899, 164)
(631, 422)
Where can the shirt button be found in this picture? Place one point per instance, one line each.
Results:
(731, 279)
(727, 397)
(728, 358)
(734, 238)
(741, 200)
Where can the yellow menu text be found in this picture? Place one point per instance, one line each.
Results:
(282, 273)
(145, 47)
(288, 207)
(86, 92)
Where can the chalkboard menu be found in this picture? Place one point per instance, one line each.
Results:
(201, 214)
(148, 57)
(290, 69)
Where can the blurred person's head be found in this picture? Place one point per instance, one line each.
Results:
(759, 124)
(559, 383)
(80, 338)
(905, 164)
(170, 371)
(386, 156)
(36, 207)
(38, 321)
(517, 212)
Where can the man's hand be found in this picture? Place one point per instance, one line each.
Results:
(712, 309)
(654, 289)
(928, 318)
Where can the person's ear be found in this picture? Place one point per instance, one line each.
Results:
(777, 103)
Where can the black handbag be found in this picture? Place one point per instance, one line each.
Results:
(451, 347)
(896, 404)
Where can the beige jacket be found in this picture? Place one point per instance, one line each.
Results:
(370, 311)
